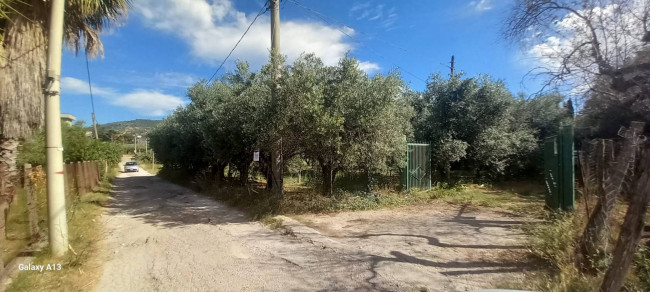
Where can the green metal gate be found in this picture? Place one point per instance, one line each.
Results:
(417, 173)
(559, 175)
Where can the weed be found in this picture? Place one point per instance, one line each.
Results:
(642, 262)
(272, 222)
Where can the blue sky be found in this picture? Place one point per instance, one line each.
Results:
(166, 45)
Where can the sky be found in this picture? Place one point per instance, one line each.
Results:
(165, 46)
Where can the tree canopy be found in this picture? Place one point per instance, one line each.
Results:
(335, 116)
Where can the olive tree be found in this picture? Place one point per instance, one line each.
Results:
(472, 122)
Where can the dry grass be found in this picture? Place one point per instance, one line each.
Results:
(17, 227)
(300, 199)
(553, 242)
(150, 168)
(81, 267)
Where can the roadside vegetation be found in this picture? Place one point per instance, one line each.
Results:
(80, 267)
(146, 161)
(553, 242)
(301, 198)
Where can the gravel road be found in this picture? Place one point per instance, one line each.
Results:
(163, 237)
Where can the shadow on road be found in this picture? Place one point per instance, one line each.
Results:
(162, 203)
(436, 242)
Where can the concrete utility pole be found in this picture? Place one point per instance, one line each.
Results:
(58, 226)
(276, 151)
(135, 151)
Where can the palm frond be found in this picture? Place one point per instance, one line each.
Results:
(87, 19)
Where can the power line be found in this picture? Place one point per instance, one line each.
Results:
(90, 87)
(264, 9)
(92, 100)
(330, 21)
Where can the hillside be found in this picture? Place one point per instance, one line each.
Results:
(141, 125)
(124, 131)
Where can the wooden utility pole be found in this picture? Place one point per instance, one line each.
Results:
(92, 101)
(453, 66)
(58, 225)
(276, 150)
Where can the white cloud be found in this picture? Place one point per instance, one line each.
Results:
(149, 102)
(481, 5)
(211, 29)
(77, 86)
(368, 11)
(174, 79)
(146, 102)
(369, 67)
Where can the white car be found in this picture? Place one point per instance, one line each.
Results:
(131, 166)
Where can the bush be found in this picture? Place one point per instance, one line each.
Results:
(642, 261)
(554, 241)
(77, 146)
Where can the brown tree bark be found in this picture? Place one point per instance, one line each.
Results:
(32, 205)
(328, 177)
(243, 173)
(9, 173)
(631, 231)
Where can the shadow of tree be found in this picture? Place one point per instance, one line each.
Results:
(159, 202)
(469, 267)
(436, 242)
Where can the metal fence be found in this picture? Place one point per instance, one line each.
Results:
(559, 172)
(417, 173)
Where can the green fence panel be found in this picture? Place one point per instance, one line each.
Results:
(417, 173)
(551, 172)
(567, 167)
(559, 170)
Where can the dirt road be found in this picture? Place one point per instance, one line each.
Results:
(163, 237)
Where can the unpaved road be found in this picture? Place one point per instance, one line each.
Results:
(163, 237)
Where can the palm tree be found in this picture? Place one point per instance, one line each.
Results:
(23, 47)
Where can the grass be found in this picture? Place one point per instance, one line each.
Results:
(553, 242)
(300, 198)
(80, 267)
(18, 236)
(272, 222)
(150, 168)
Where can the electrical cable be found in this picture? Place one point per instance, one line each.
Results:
(264, 9)
(90, 87)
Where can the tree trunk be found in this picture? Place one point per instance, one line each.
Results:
(243, 173)
(630, 233)
(217, 171)
(370, 181)
(8, 156)
(22, 70)
(32, 205)
(269, 179)
(7, 190)
(328, 175)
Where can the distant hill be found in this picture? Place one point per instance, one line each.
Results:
(137, 124)
(125, 128)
